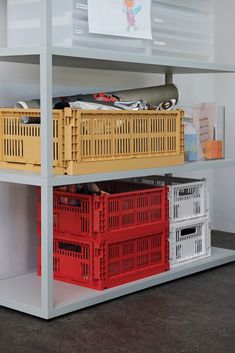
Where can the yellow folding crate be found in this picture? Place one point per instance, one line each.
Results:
(91, 141)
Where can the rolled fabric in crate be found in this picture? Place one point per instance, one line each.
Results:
(153, 95)
(156, 96)
(31, 104)
(29, 120)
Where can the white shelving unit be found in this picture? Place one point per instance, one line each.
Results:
(44, 297)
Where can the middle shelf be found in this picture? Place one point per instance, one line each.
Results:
(30, 178)
(96, 145)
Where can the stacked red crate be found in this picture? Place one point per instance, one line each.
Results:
(111, 239)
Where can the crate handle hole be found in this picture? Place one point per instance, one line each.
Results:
(188, 231)
(70, 247)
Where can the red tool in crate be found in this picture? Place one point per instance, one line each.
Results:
(124, 206)
(113, 261)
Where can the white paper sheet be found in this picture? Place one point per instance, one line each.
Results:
(126, 18)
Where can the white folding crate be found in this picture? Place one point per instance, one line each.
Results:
(189, 240)
(188, 198)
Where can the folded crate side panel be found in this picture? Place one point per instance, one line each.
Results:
(112, 140)
(189, 240)
(21, 139)
(21, 142)
(126, 206)
(133, 209)
(1, 137)
(73, 213)
(87, 142)
(110, 262)
(189, 200)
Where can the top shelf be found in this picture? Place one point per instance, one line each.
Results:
(111, 60)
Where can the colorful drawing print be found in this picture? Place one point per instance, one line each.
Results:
(122, 18)
(131, 11)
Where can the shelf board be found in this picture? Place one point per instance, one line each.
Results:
(25, 55)
(69, 298)
(20, 177)
(188, 167)
(30, 178)
(111, 60)
(23, 293)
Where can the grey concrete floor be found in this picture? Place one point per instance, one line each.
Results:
(194, 314)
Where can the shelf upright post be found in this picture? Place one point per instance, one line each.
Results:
(47, 295)
(3, 23)
(168, 78)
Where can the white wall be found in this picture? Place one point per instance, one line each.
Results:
(18, 240)
(224, 193)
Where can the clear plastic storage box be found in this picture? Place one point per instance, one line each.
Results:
(70, 27)
(179, 46)
(181, 29)
(207, 122)
(201, 6)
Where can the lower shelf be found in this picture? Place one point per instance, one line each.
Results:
(23, 293)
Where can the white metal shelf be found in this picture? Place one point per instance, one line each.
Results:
(20, 177)
(30, 178)
(23, 292)
(111, 60)
(44, 297)
(188, 167)
(70, 298)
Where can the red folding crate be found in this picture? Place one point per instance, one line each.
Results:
(111, 262)
(125, 206)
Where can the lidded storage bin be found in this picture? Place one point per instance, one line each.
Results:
(183, 29)
(69, 27)
(180, 29)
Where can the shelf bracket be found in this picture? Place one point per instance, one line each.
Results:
(168, 78)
